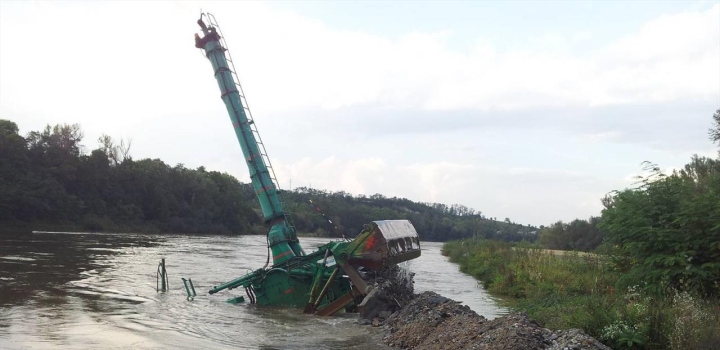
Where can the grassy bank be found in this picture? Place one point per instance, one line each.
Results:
(581, 291)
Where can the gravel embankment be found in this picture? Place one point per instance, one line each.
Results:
(431, 321)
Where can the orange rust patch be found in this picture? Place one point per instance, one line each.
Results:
(283, 254)
(370, 243)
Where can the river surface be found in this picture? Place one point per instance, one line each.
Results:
(98, 291)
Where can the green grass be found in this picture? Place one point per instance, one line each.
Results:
(575, 290)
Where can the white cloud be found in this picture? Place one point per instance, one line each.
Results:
(496, 190)
(667, 59)
(288, 62)
(356, 176)
(601, 137)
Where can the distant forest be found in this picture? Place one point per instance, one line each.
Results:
(48, 182)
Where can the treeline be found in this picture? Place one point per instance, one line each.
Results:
(579, 235)
(433, 221)
(48, 182)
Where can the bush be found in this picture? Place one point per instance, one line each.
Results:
(666, 231)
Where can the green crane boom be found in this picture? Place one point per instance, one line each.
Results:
(281, 236)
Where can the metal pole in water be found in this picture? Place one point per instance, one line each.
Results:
(164, 272)
(187, 289)
(162, 275)
(192, 287)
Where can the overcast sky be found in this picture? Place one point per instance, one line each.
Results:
(528, 110)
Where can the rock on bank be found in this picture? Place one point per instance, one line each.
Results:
(431, 321)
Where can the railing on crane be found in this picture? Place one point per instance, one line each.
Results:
(282, 238)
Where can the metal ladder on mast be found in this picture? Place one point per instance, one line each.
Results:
(251, 121)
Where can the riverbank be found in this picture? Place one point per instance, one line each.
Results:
(581, 291)
(431, 321)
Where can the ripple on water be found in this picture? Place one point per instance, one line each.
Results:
(17, 258)
(108, 296)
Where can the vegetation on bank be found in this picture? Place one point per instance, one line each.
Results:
(581, 291)
(654, 283)
(48, 181)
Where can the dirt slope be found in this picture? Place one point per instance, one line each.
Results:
(431, 321)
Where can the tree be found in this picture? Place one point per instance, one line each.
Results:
(117, 152)
(47, 178)
(666, 231)
(582, 235)
(714, 131)
(13, 169)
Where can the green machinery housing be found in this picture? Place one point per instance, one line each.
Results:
(328, 279)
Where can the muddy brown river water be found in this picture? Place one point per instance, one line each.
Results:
(97, 291)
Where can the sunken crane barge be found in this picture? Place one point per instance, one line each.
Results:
(333, 277)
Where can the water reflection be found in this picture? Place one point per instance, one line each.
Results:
(41, 263)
